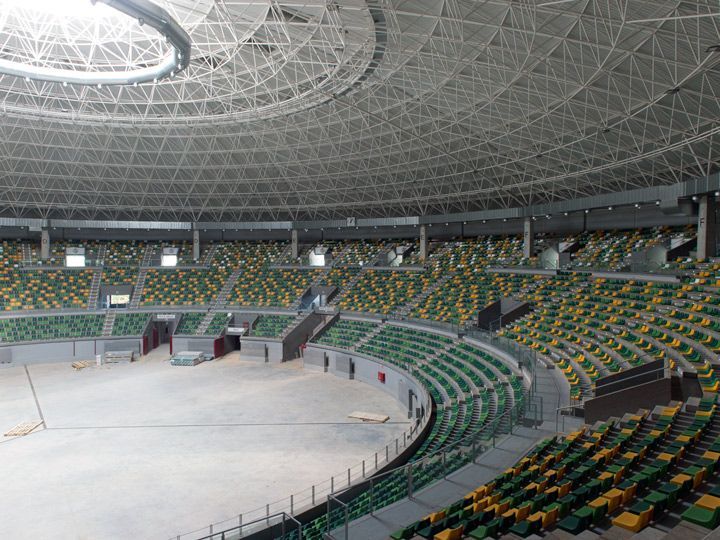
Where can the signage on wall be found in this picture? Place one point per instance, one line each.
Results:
(381, 376)
(350, 221)
(165, 316)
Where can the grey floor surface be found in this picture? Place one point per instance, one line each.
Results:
(149, 450)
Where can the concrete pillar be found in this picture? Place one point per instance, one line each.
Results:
(528, 237)
(423, 243)
(706, 240)
(44, 244)
(294, 237)
(196, 245)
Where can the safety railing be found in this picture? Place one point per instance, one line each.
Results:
(391, 486)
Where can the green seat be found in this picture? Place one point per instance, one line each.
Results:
(658, 500)
(485, 531)
(525, 528)
(700, 516)
(578, 521)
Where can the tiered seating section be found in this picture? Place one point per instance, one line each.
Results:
(129, 324)
(346, 333)
(189, 323)
(182, 287)
(473, 392)
(272, 287)
(592, 328)
(271, 326)
(44, 289)
(613, 479)
(47, 328)
(381, 291)
(217, 324)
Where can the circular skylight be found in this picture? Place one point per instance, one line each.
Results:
(249, 59)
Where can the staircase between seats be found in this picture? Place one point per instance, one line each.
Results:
(138, 289)
(109, 323)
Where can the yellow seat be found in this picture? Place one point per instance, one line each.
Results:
(437, 516)
(614, 498)
(634, 522)
(450, 534)
(708, 502)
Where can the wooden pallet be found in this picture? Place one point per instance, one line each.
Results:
(23, 429)
(80, 365)
(369, 417)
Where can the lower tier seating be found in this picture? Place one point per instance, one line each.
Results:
(615, 478)
(346, 333)
(475, 395)
(271, 326)
(217, 324)
(52, 327)
(130, 324)
(189, 323)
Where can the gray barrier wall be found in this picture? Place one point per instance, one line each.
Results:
(365, 369)
(300, 334)
(261, 349)
(642, 396)
(64, 351)
(206, 345)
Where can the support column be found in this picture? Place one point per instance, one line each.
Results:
(528, 237)
(44, 244)
(196, 244)
(294, 237)
(706, 240)
(423, 243)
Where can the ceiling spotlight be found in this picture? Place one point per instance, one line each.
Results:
(484, 221)
(565, 214)
(548, 216)
(504, 219)
(717, 193)
(657, 203)
(534, 218)
(587, 210)
(610, 208)
(694, 198)
(637, 205)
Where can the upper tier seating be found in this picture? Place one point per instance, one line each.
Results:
(44, 289)
(382, 291)
(52, 327)
(175, 287)
(360, 252)
(592, 328)
(609, 249)
(272, 287)
(130, 324)
(119, 275)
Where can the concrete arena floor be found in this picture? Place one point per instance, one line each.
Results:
(150, 450)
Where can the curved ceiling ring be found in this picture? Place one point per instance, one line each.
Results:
(146, 13)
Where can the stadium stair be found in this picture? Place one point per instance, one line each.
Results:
(139, 287)
(109, 323)
(94, 295)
